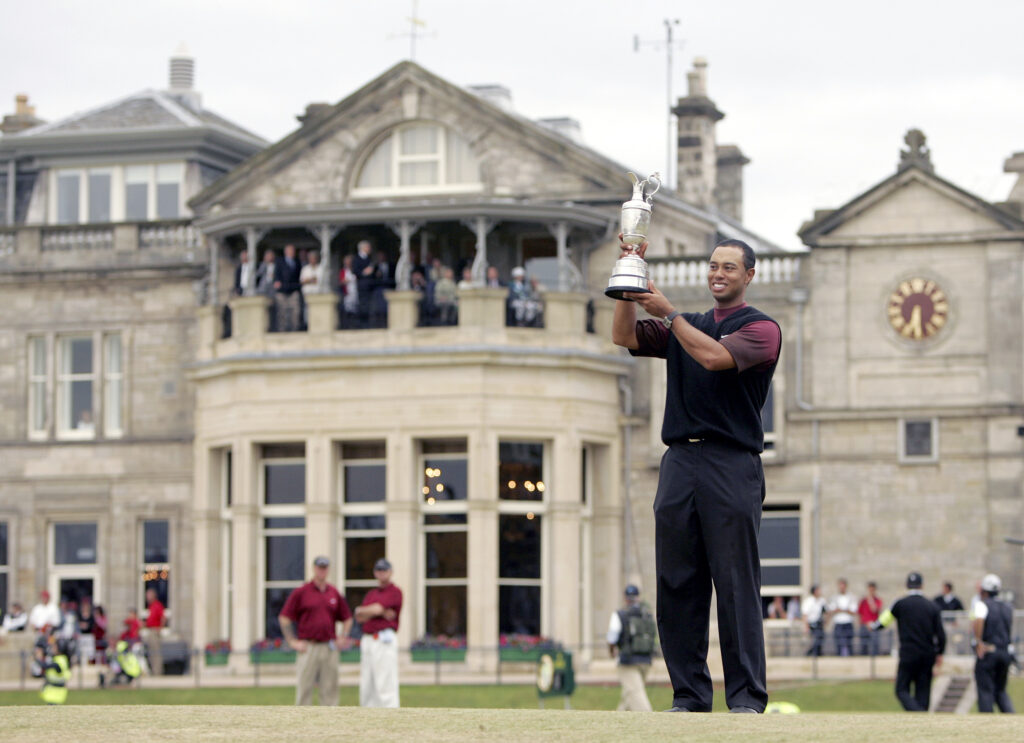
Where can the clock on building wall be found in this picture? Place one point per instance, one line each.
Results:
(918, 309)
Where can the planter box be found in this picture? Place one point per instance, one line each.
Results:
(272, 656)
(349, 656)
(521, 655)
(217, 659)
(445, 655)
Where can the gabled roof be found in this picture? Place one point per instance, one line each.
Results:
(812, 232)
(145, 110)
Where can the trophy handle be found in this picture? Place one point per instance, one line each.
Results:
(656, 179)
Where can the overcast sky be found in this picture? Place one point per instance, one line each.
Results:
(818, 95)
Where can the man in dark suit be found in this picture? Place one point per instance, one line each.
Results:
(287, 297)
(363, 267)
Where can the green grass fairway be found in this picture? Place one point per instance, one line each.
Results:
(201, 723)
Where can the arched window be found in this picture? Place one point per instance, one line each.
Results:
(419, 158)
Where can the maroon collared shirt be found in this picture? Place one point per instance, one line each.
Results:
(390, 597)
(315, 612)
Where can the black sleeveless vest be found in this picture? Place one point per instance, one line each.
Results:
(722, 405)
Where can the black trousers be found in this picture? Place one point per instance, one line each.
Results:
(707, 513)
(916, 672)
(990, 676)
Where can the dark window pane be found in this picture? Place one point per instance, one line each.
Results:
(156, 541)
(446, 554)
(918, 438)
(81, 355)
(365, 483)
(3, 592)
(158, 580)
(74, 589)
(779, 538)
(99, 197)
(780, 575)
(444, 518)
(354, 596)
(286, 483)
(167, 201)
(445, 479)
(74, 544)
(3, 545)
(446, 610)
(81, 402)
(519, 610)
(136, 196)
(275, 598)
(284, 451)
(768, 411)
(286, 557)
(519, 546)
(521, 471)
(362, 450)
(444, 446)
(365, 523)
(228, 480)
(285, 522)
(360, 555)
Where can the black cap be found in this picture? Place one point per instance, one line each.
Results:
(632, 590)
(914, 580)
(382, 564)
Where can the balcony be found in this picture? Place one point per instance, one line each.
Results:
(96, 245)
(572, 326)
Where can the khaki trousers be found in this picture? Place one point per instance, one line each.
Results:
(633, 680)
(317, 668)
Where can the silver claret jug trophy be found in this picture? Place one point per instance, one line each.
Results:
(630, 272)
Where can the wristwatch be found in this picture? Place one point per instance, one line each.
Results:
(667, 320)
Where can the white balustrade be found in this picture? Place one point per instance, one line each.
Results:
(88, 238)
(693, 272)
(168, 236)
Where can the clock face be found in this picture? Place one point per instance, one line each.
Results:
(918, 309)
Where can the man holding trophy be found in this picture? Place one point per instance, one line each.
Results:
(708, 505)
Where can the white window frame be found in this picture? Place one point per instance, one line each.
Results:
(81, 571)
(64, 383)
(439, 507)
(117, 190)
(905, 458)
(786, 510)
(146, 567)
(39, 388)
(525, 508)
(392, 138)
(286, 510)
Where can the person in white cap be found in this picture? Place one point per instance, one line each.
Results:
(992, 624)
(378, 648)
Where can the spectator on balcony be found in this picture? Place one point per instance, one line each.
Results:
(16, 619)
(242, 271)
(947, 600)
(287, 297)
(466, 282)
(418, 282)
(522, 305)
(813, 611)
(383, 281)
(265, 274)
(348, 287)
(363, 266)
(45, 615)
(313, 280)
(446, 300)
(493, 282)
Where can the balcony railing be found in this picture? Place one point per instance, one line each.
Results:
(28, 241)
(694, 271)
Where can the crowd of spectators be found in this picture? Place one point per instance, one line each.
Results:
(83, 629)
(361, 284)
(845, 617)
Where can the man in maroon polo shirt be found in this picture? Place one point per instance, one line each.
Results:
(378, 650)
(308, 623)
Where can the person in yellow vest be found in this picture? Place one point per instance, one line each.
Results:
(124, 665)
(56, 672)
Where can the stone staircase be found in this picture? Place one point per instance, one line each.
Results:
(954, 694)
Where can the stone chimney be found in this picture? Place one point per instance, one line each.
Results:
(24, 116)
(313, 111)
(182, 79)
(710, 175)
(697, 153)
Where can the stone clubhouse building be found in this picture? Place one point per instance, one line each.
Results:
(152, 439)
